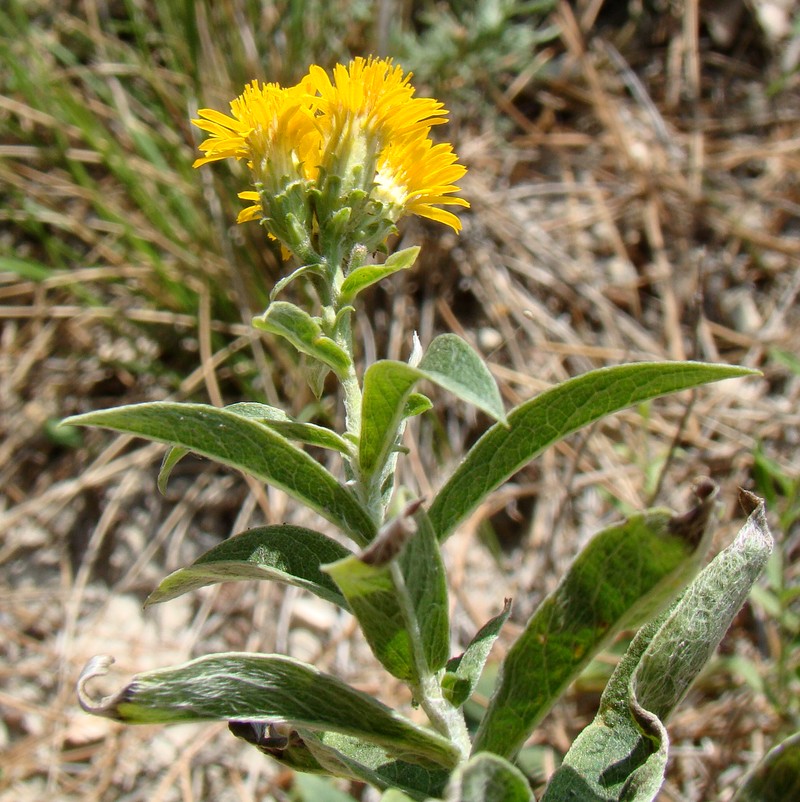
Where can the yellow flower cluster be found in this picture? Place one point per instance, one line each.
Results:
(358, 141)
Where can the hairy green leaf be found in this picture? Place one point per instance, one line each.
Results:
(464, 671)
(244, 444)
(623, 753)
(172, 456)
(553, 415)
(279, 421)
(367, 275)
(623, 576)
(270, 688)
(345, 756)
(488, 778)
(373, 597)
(393, 795)
(392, 628)
(304, 333)
(289, 554)
(448, 362)
(425, 580)
(777, 777)
(317, 789)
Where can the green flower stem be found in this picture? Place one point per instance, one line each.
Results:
(445, 718)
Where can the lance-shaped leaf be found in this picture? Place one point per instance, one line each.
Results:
(304, 333)
(488, 778)
(271, 688)
(777, 777)
(278, 421)
(464, 671)
(448, 362)
(244, 444)
(623, 753)
(551, 416)
(288, 554)
(406, 622)
(365, 276)
(624, 575)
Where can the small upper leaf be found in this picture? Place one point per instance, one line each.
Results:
(464, 671)
(304, 333)
(362, 277)
(448, 362)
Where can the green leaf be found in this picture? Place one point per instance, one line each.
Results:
(448, 362)
(624, 575)
(393, 795)
(370, 587)
(345, 756)
(416, 404)
(318, 789)
(488, 778)
(425, 580)
(282, 284)
(551, 416)
(777, 777)
(172, 456)
(279, 421)
(464, 671)
(373, 597)
(623, 753)
(259, 687)
(288, 554)
(453, 365)
(304, 333)
(243, 444)
(367, 275)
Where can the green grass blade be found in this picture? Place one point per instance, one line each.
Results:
(550, 417)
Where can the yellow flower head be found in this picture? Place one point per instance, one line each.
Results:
(357, 142)
(270, 127)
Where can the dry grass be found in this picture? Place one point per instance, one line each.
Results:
(645, 206)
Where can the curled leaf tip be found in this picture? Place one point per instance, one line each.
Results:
(748, 501)
(107, 705)
(694, 525)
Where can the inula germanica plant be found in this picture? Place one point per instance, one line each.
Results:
(335, 163)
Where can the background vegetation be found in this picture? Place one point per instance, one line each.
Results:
(633, 180)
